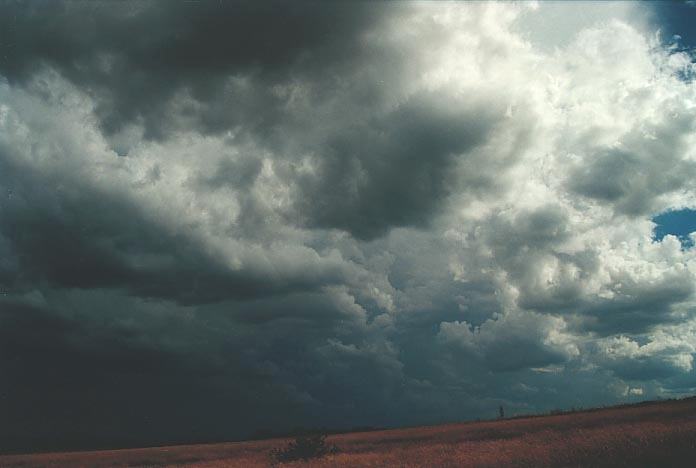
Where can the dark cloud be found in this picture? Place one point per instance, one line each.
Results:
(228, 61)
(395, 170)
(92, 368)
(123, 374)
(191, 46)
(67, 234)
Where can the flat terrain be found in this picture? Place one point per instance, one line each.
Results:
(659, 434)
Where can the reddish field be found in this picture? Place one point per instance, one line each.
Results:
(656, 434)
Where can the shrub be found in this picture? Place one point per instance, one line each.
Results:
(304, 448)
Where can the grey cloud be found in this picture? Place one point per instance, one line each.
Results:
(394, 170)
(644, 368)
(626, 181)
(680, 383)
(508, 342)
(643, 358)
(523, 241)
(647, 164)
(637, 305)
(566, 295)
(237, 173)
(539, 228)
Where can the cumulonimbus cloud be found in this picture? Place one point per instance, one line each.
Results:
(346, 216)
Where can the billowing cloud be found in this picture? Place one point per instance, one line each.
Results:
(273, 215)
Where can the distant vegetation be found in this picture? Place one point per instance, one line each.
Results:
(264, 434)
(304, 448)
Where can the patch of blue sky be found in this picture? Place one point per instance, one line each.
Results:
(677, 19)
(677, 23)
(679, 223)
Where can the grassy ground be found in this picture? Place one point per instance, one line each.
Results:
(651, 435)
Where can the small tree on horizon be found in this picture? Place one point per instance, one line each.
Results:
(501, 412)
(303, 448)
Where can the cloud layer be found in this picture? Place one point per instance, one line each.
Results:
(267, 216)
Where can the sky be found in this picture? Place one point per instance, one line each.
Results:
(223, 217)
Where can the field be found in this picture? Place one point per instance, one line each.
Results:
(660, 434)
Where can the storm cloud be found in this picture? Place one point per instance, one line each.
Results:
(223, 217)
